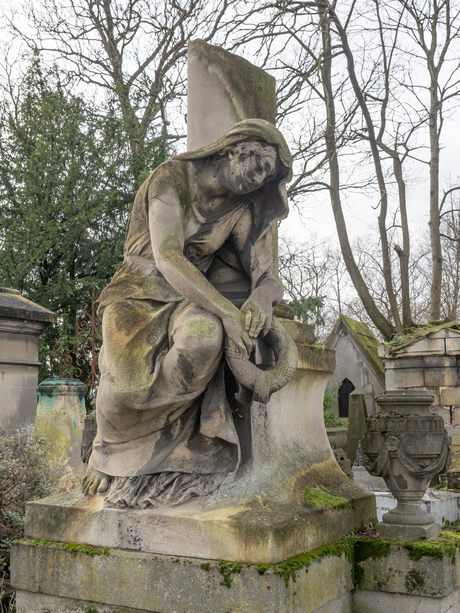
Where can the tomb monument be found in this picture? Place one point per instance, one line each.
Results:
(211, 447)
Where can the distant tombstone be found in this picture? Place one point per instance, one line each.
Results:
(60, 416)
(357, 416)
(21, 324)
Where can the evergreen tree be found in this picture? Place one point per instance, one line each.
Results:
(66, 189)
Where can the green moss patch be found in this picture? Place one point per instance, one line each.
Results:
(323, 497)
(227, 569)
(73, 548)
(434, 549)
(365, 549)
(290, 567)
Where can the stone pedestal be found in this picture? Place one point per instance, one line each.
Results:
(117, 581)
(260, 517)
(60, 414)
(359, 576)
(21, 324)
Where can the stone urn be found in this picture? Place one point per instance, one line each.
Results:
(406, 444)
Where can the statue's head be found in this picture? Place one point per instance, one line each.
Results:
(253, 158)
(245, 167)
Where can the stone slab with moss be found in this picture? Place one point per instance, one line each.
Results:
(353, 574)
(320, 580)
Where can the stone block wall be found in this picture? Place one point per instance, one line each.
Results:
(431, 364)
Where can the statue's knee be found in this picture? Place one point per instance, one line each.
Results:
(203, 334)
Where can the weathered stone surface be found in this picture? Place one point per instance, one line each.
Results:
(223, 89)
(407, 569)
(15, 306)
(453, 346)
(415, 362)
(60, 415)
(300, 332)
(450, 396)
(29, 602)
(439, 377)
(425, 346)
(357, 409)
(446, 333)
(437, 362)
(403, 378)
(255, 532)
(21, 324)
(365, 601)
(369, 482)
(164, 584)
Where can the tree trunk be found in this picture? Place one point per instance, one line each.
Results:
(435, 235)
(377, 318)
(379, 173)
(405, 252)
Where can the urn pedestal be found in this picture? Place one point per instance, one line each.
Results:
(406, 444)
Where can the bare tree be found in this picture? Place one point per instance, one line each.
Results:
(434, 27)
(133, 50)
(363, 63)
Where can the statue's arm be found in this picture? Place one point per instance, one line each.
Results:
(267, 290)
(167, 237)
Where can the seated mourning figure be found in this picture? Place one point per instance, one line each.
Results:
(190, 308)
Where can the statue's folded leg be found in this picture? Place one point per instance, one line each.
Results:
(196, 345)
(138, 405)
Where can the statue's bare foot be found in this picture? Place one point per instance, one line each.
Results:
(95, 482)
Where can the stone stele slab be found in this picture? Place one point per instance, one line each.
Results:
(260, 517)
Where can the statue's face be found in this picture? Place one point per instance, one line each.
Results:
(247, 167)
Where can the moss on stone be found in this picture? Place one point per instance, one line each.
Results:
(290, 567)
(202, 328)
(73, 548)
(399, 343)
(366, 339)
(226, 569)
(365, 549)
(323, 497)
(444, 547)
(415, 581)
(205, 566)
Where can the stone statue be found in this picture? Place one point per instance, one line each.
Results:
(190, 307)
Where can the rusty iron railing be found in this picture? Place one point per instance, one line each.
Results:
(73, 356)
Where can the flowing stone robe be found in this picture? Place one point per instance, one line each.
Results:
(143, 428)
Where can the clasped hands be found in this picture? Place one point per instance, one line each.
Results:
(245, 325)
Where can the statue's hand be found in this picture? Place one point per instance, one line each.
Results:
(258, 313)
(235, 328)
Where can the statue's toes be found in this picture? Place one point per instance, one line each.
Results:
(93, 486)
(103, 485)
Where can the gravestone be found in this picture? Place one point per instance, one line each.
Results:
(21, 324)
(60, 415)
